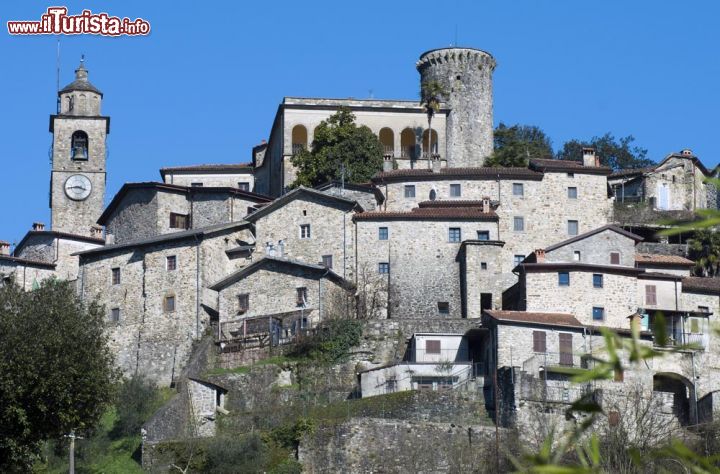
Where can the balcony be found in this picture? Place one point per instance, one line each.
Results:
(685, 340)
(550, 361)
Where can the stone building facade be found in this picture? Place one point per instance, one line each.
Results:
(240, 176)
(155, 293)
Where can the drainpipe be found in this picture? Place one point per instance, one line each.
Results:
(197, 287)
(695, 399)
(344, 242)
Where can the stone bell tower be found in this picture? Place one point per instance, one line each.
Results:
(466, 77)
(77, 183)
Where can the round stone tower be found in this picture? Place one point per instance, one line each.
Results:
(466, 76)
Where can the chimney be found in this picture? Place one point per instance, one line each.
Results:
(540, 256)
(4, 247)
(589, 158)
(687, 152)
(269, 249)
(485, 205)
(635, 321)
(38, 226)
(96, 232)
(436, 163)
(281, 248)
(109, 239)
(387, 162)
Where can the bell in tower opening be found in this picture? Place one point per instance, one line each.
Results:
(79, 148)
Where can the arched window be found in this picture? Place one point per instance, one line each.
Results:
(407, 143)
(299, 139)
(82, 104)
(387, 138)
(434, 143)
(79, 146)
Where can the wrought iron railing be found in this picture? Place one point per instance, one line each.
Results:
(685, 339)
(297, 148)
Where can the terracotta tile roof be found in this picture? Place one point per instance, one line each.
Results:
(611, 227)
(429, 213)
(568, 166)
(630, 172)
(701, 285)
(551, 319)
(481, 173)
(670, 260)
(26, 261)
(208, 167)
(456, 203)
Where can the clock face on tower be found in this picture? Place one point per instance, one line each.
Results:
(78, 187)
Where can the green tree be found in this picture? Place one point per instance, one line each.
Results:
(339, 143)
(704, 249)
(56, 370)
(516, 144)
(617, 154)
(431, 94)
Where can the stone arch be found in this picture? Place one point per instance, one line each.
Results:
(79, 145)
(299, 139)
(425, 144)
(676, 395)
(408, 144)
(387, 138)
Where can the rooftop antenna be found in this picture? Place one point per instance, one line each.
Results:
(57, 79)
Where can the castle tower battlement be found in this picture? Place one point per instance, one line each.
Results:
(466, 76)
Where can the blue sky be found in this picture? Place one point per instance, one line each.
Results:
(204, 86)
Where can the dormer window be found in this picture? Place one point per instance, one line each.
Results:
(79, 146)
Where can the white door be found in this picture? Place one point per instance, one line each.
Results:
(663, 196)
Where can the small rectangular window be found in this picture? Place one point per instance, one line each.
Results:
(384, 268)
(302, 296)
(614, 258)
(171, 263)
(483, 235)
(576, 255)
(443, 307)
(169, 304)
(383, 233)
(571, 175)
(597, 280)
(518, 189)
(518, 259)
(483, 265)
(598, 313)
(243, 303)
(518, 224)
(305, 231)
(244, 186)
(455, 190)
(432, 346)
(539, 341)
(178, 221)
(115, 315)
(650, 295)
(327, 261)
(115, 276)
(564, 278)
(704, 309)
(695, 326)
(572, 227)
(572, 192)
(196, 185)
(454, 234)
(409, 190)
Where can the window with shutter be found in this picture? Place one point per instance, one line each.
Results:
(650, 295)
(615, 258)
(432, 346)
(539, 341)
(566, 356)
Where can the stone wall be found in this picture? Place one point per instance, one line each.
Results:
(330, 232)
(618, 296)
(424, 265)
(596, 249)
(400, 446)
(135, 218)
(684, 181)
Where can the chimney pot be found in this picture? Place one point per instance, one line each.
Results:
(436, 163)
(38, 226)
(485, 205)
(589, 157)
(96, 231)
(387, 162)
(4, 247)
(540, 255)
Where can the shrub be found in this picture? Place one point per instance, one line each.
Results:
(332, 342)
(137, 400)
(228, 456)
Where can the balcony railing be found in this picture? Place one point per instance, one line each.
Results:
(684, 339)
(297, 148)
(549, 360)
(408, 152)
(389, 150)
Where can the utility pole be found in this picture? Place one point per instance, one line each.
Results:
(72, 449)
